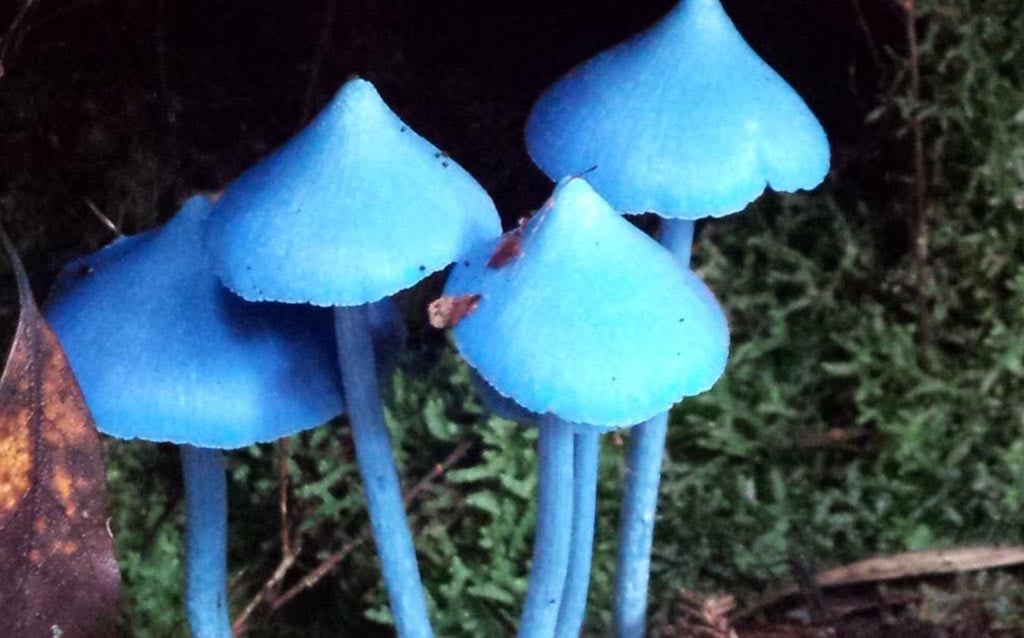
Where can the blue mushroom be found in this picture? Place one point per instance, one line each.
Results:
(594, 358)
(590, 325)
(499, 405)
(353, 209)
(164, 353)
(685, 121)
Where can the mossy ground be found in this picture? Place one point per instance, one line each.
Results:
(873, 403)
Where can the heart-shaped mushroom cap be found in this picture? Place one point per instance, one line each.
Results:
(163, 352)
(592, 321)
(354, 208)
(684, 120)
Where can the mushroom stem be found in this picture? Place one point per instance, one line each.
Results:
(677, 236)
(554, 529)
(643, 476)
(586, 453)
(636, 536)
(206, 540)
(380, 478)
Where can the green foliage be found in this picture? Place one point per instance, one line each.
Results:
(864, 410)
(147, 520)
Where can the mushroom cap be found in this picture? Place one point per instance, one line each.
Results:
(684, 120)
(593, 321)
(497, 404)
(163, 352)
(505, 408)
(354, 208)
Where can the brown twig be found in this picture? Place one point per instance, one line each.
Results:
(321, 570)
(922, 213)
(326, 565)
(453, 457)
(238, 627)
(289, 552)
(12, 32)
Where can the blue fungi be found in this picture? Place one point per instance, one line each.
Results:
(683, 120)
(586, 453)
(686, 121)
(636, 529)
(610, 327)
(588, 326)
(353, 209)
(552, 538)
(164, 353)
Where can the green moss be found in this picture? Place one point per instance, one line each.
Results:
(862, 412)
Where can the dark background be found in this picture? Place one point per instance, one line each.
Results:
(132, 106)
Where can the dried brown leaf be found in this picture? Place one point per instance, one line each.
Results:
(60, 577)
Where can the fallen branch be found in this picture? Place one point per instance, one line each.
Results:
(902, 566)
(927, 563)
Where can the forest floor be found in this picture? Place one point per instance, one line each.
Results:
(127, 108)
(931, 594)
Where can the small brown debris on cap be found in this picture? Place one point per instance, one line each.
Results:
(446, 312)
(510, 247)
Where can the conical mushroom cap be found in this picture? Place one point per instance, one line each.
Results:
(684, 120)
(505, 408)
(593, 321)
(163, 352)
(497, 404)
(354, 208)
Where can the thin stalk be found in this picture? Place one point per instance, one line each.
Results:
(206, 541)
(586, 453)
(677, 236)
(554, 530)
(380, 478)
(636, 535)
(643, 477)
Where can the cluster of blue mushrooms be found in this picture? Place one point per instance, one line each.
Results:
(328, 220)
(213, 330)
(684, 121)
(271, 311)
(593, 326)
(164, 353)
